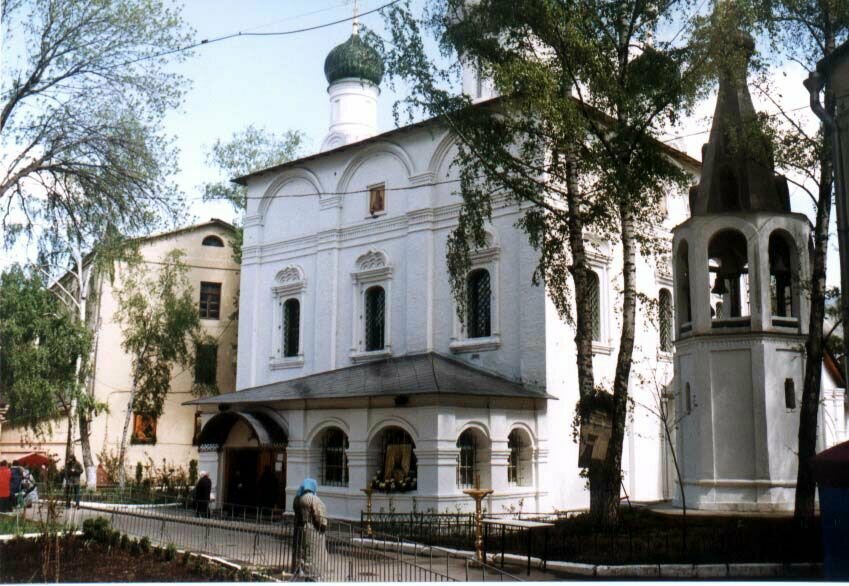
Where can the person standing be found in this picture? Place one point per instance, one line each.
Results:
(203, 491)
(73, 471)
(5, 486)
(309, 551)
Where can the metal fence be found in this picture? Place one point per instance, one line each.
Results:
(640, 539)
(265, 543)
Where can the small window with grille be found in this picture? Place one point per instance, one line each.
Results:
(210, 300)
(375, 318)
(334, 460)
(479, 304)
(594, 298)
(664, 311)
(466, 459)
(291, 327)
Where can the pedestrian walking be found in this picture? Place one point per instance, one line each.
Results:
(203, 491)
(73, 471)
(5, 487)
(309, 543)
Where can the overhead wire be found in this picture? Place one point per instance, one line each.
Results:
(247, 33)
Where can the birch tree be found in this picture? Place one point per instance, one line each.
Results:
(587, 86)
(160, 326)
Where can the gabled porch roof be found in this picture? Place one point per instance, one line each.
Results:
(416, 374)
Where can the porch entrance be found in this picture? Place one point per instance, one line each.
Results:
(255, 477)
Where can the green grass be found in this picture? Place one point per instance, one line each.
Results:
(9, 525)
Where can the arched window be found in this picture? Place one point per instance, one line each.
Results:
(466, 463)
(479, 304)
(594, 298)
(334, 459)
(393, 453)
(664, 318)
(682, 284)
(728, 267)
(519, 472)
(291, 327)
(781, 276)
(375, 318)
(213, 241)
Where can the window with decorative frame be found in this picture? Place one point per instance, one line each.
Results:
(334, 458)
(288, 298)
(594, 299)
(375, 318)
(372, 307)
(479, 331)
(478, 304)
(291, 327)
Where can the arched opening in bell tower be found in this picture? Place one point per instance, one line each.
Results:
(782, 275)
(682, 288)
(728, 269)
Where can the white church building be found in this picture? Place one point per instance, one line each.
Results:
(353, 367)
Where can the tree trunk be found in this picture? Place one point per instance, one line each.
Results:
(809, 411)
(583, 324)
(122, 452)
(609, 476)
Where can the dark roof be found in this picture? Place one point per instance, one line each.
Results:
(416, 374)
(680, 156)
(738, 175)
(354, 59)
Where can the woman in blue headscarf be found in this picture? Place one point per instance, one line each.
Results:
(309, 551)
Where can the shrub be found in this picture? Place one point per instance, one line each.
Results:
(185, 559)
(193, 472)
(139, 473)
(171, 552)
(144, 545)
(114, 538)
(135, 548)
(125, 541)
(97, 529)
(244, 575)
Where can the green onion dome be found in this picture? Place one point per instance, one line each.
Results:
(353, 58)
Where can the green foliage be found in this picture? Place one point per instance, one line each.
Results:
(98, 529)
(144, 544)
(184, 559)
(159, 319)
(125, 542)
(170, 552)
(139, 473)
(40, 342)
(81, 110)
(247, 151)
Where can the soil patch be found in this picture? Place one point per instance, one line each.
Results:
(82, 560)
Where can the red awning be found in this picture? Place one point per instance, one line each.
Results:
(34, 460)
(831, 466)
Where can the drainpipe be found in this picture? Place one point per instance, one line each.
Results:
(837, 129)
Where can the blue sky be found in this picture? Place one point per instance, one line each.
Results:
(272, 82)
(278, 83)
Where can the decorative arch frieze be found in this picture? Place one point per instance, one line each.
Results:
(383, 147)
(298, 174)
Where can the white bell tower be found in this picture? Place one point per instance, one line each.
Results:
(741, 317)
